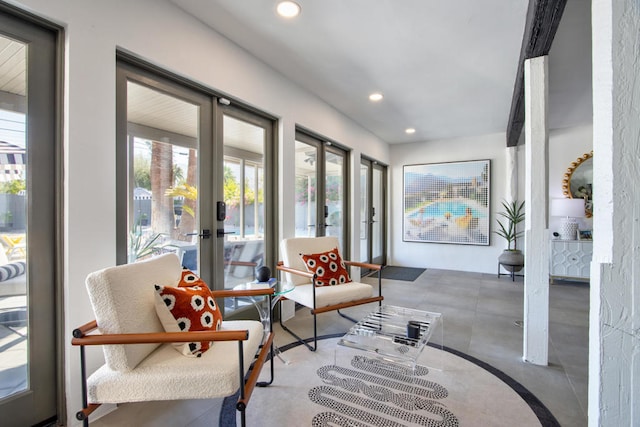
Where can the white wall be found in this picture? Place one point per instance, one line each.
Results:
(438, 255)
(162, 34)
(565, 146)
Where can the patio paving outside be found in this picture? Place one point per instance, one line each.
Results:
(13, 345)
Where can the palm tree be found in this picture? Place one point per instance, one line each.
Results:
(187, 189)
(188, 218)
(161, 179)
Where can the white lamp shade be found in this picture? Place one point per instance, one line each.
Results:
(571, 208)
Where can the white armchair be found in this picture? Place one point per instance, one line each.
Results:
(141, 363)
(321, 299)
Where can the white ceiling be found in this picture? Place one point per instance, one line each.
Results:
(446, 68)
(149, 107)
(12, 66)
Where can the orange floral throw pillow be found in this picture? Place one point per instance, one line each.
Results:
(328, 268)
(188, 307)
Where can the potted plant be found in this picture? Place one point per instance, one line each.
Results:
(511, 258)
(142, 244)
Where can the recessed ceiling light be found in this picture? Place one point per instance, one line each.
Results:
(288, 9)
(375, 97)
(410, 131)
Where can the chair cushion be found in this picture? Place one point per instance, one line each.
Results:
(328, 268)
(123, 302)
(188, 307)
(11, 270)
(330, 295)
(167, 375)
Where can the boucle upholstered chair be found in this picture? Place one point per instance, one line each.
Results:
(321, 299)
(141, 363)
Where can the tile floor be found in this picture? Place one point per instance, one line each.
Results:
(479, 312)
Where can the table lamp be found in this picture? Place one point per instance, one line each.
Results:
(569, 210)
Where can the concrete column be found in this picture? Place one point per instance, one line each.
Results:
(614, 318)
(536, 281)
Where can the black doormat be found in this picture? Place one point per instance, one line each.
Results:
(408, 274)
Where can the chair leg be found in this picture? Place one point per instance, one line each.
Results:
(268, 383)
(347, 317)
(379, 287)
(80, 415)
(302, 341)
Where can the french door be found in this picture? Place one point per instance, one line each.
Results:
(195, 178)
(372, 212)
(248, 156)
(29, 191)
(321, 189)
(165, 159)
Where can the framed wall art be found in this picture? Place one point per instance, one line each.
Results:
(447, 202)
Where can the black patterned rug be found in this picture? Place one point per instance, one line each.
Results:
(336, 386)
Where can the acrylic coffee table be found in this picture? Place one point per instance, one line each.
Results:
(395, 334)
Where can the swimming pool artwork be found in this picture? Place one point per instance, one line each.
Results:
(447, 202)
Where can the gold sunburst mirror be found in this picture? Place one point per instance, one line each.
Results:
(577, 182)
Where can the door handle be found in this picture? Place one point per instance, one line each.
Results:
(206, 233)
(220, 232)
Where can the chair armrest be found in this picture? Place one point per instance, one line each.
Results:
(85, 329)
(242, 263)
(231, 293)
(364, 264)
(160, 337)
(282, 267)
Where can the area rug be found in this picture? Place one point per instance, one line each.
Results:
(336, 386)
(408, 274)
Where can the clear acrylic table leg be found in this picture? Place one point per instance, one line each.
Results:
(264, 311)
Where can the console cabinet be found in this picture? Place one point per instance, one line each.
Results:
(571, 259)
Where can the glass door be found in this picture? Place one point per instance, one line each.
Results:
(195, 177)
(306, 208)
(28, 220)
(365, 207)
(372, 212)
(163, 201)
(247, 220)
(335, 200)
(378, 214)
(246, 138)
(167, 157)
(321, 189)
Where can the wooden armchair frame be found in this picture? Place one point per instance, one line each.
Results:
(82, 337)
(337, 307)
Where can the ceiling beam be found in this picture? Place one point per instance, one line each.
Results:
(13, 102)
(543, 18)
